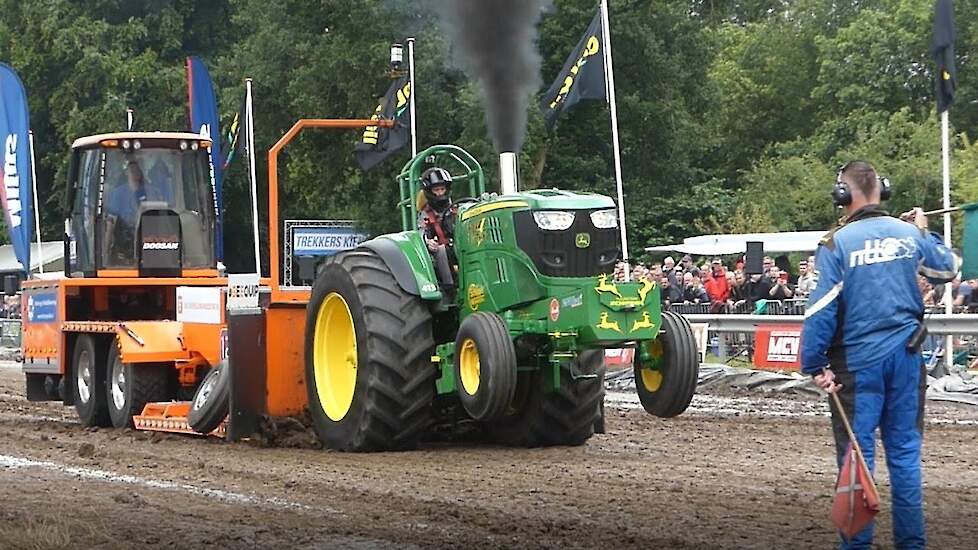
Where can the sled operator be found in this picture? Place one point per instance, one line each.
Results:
(863, 329)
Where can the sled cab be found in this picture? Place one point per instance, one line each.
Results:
(140, 204)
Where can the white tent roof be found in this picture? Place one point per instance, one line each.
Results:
(53, 251)
(719, 245)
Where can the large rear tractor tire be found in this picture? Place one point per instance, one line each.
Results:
(130, 386)
(368, 353)
(211, 400)
(566, 416)
(485, 366)
(666, 386)
(88, 382)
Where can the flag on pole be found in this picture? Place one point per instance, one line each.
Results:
(943, 52)
(204, 120)
(582, 77)
(376, 143)
(856, 500)
(233, 137)
(16, 194)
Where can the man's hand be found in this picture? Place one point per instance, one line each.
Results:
(432, 244)
(917, 217)
(826, 381)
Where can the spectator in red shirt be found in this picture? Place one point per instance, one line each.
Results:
(716, 283)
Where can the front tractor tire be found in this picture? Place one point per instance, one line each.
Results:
(485, 366)
(667, 382)
(368, 350)
(565, 416)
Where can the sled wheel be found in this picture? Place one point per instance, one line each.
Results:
(88, 382)
(210, 405)
(130, 386)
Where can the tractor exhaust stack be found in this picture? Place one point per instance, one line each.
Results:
(508, 173)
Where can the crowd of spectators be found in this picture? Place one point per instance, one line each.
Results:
(726, 287)
(964, 296)
(10, 307)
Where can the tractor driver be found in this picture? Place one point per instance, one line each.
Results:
(436, 220)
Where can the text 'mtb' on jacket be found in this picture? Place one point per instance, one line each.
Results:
(867, 301)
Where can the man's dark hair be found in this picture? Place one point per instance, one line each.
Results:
(862, 175)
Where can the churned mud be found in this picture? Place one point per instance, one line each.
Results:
(736, 471)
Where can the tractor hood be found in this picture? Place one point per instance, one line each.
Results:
(555, 199)
(539, 199)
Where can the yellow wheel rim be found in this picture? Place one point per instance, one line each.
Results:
(335, 357)
(652, 379)
(469, 368)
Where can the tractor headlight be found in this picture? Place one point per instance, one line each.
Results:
(605, 219)
(553, 220)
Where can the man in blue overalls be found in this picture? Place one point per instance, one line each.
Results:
(860, 335)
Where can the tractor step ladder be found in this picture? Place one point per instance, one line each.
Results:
(171, 417)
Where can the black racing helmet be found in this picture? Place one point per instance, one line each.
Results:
(431, 178)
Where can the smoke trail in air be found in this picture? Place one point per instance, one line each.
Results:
(496, 40)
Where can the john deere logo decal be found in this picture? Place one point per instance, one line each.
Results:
(477, 295)
(582, 240)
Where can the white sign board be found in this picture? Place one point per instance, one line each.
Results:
(324, 241)
(199, 304)
(700, 331)
(242, 291)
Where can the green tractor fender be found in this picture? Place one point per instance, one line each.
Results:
(409, 261)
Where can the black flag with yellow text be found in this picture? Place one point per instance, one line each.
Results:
(377, 143)
(943, 52)
(583, 75)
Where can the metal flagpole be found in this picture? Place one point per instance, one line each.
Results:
(250, 144)
(946, 161)
(414, 119)
(610, 72)
(37, 209)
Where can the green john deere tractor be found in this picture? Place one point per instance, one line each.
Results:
(513, 331)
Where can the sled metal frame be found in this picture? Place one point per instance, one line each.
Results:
(293, 295)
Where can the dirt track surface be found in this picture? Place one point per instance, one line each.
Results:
(734, 472)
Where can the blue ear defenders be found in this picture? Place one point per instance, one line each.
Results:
(842, 196)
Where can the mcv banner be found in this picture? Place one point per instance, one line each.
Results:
(18, 202)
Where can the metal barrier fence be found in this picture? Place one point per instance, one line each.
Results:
(732, 334)
(10, 331)
(937, 323)
(767, 307)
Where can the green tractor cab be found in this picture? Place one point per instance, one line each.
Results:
(515, 333)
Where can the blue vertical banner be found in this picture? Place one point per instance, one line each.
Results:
(204, 120)
(18, 202)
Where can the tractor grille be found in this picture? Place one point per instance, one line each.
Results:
(557, 254)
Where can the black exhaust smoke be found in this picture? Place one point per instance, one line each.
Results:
(496, 41)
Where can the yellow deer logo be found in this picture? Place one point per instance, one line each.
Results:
(644, 322)
(647, 287)
(603, 286)
(609, 325)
